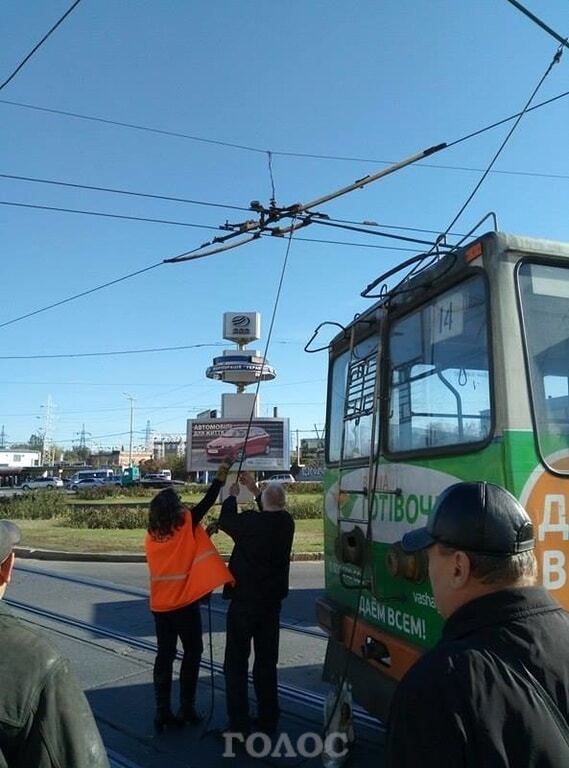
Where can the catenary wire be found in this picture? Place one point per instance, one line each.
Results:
(173, 223)
(268, 342)
(228, 206)
(539, 22)
(147, 219)
(281, 153)
(554, 60)
(114, 191)
(79, 295)
(107, 354)
(39, 44)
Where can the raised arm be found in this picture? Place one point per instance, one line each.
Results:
(249, 482)
(211, 494)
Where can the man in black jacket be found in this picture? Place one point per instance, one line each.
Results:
(494, 691)
(45, 719)
(260, 566)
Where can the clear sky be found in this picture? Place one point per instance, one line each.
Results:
(371, 79)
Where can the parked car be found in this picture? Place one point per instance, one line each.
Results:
(87, 482)
(156, 481)
(231, 444)
(42, 483)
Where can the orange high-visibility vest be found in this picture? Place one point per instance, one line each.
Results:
(183, 568)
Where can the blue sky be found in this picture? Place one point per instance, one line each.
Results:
(371, 80)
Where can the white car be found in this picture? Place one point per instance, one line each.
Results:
(41, 483)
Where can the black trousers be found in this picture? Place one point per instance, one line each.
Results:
(184, 623)
(259, 623)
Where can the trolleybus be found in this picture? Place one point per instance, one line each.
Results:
(459, 373)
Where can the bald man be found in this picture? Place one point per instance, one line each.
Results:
(260, 565)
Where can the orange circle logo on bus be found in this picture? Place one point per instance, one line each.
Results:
(545, 499)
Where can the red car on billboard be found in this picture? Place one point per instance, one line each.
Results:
(231, 444)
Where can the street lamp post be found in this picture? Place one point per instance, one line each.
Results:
(131, 398)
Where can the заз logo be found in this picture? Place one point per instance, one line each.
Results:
(241, 320)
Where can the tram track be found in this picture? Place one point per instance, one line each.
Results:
(308, 700)
(138, 592)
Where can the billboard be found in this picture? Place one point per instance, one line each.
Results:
(210, 441)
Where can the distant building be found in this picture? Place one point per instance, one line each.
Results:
(118, 458)
(168, 446)
(14, 462)
(312, 448)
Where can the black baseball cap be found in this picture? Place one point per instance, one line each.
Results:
(476, 517)
(9, 537)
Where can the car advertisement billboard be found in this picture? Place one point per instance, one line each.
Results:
(265, 447)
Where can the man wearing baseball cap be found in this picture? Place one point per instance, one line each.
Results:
(45, 719)
(494, 691)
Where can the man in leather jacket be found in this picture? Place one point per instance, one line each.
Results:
(45, 719)
(494, 691)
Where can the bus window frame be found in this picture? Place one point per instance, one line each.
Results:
(377, 330)
(546, 261)
(456, 449)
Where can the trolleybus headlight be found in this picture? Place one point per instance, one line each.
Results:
(403, 565)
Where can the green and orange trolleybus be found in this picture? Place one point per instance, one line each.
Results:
(460, 372)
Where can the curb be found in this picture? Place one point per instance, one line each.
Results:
(27, 553)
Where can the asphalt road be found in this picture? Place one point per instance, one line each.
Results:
(118, 678)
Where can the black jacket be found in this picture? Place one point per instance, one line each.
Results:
(260, 560)
(45, 719)
(465, 703)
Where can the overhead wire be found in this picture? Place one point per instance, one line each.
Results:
(80, 295)
(169, 198)
(268, 342)
(39, 44)
(555, 60)
(540, 23)
(114, 191)
(108, 354)
(283, 153)
(148, 219)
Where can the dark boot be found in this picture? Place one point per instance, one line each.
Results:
(164, 718)
(189, 673)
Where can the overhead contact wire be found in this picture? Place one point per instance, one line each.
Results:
(540, 23)
(555, 60)
(115, 191)
(38, 45)
(274, 152)
(267, 344)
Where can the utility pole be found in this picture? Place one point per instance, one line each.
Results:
(148, 436)
(3, 437)
(47, 441)
(131, 398)
(297, 449)
(83, 438)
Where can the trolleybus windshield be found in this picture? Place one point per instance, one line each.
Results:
(440, 373)
(544, 298)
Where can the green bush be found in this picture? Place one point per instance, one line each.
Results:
(36, 505)
(106, 517)
(306, 509)
(312, 487)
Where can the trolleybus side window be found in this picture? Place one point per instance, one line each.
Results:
(440, 372)
(544, 293)
(351, 402)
